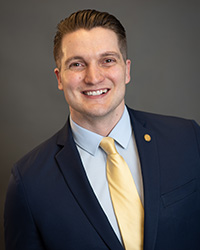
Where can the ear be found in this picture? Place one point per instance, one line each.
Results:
(57, 73)
(128, 70)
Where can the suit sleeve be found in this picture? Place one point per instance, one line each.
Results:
(20, 229)
(197, 132)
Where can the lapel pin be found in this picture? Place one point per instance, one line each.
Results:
(147, 138)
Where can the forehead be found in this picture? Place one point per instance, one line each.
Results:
(90, 42)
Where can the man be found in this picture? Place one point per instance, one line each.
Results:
(59, 195)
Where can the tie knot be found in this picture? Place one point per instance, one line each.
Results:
(108, 145)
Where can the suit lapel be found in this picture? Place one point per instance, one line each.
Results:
(72, 169)
(150, 171)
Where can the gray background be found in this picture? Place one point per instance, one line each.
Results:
(163, 39)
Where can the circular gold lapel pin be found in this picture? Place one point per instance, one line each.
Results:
(147, 137)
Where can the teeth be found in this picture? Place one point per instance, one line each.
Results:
(98, 92)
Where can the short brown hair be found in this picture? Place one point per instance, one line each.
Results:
(88, 19)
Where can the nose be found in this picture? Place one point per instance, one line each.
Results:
(94, 74)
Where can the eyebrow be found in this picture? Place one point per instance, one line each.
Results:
(108, 53)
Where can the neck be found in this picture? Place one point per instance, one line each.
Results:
(99, 125)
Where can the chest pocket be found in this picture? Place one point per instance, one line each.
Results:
(179, 193)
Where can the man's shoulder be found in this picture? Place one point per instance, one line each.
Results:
(159, 120)
(166, 126)
(43, 154)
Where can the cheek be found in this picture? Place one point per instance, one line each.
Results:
(68, 78)
(75, 78)
(71, 82)
(118, 74)
(118, 78)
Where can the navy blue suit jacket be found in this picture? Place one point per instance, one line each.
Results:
(51, 205)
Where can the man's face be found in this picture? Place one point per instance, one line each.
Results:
(93, 75)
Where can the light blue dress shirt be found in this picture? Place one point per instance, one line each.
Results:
(94, 161)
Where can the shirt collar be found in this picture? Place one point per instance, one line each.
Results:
(122, 132)
(89, 141)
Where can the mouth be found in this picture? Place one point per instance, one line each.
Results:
(96, 93)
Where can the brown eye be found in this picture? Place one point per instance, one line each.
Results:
(107, 62)
(76, 66)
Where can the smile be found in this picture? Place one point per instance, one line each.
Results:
(95, 93)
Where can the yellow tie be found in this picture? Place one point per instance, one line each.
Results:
(126, 201)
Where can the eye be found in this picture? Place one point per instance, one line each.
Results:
(76, 66)
(107, 62)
